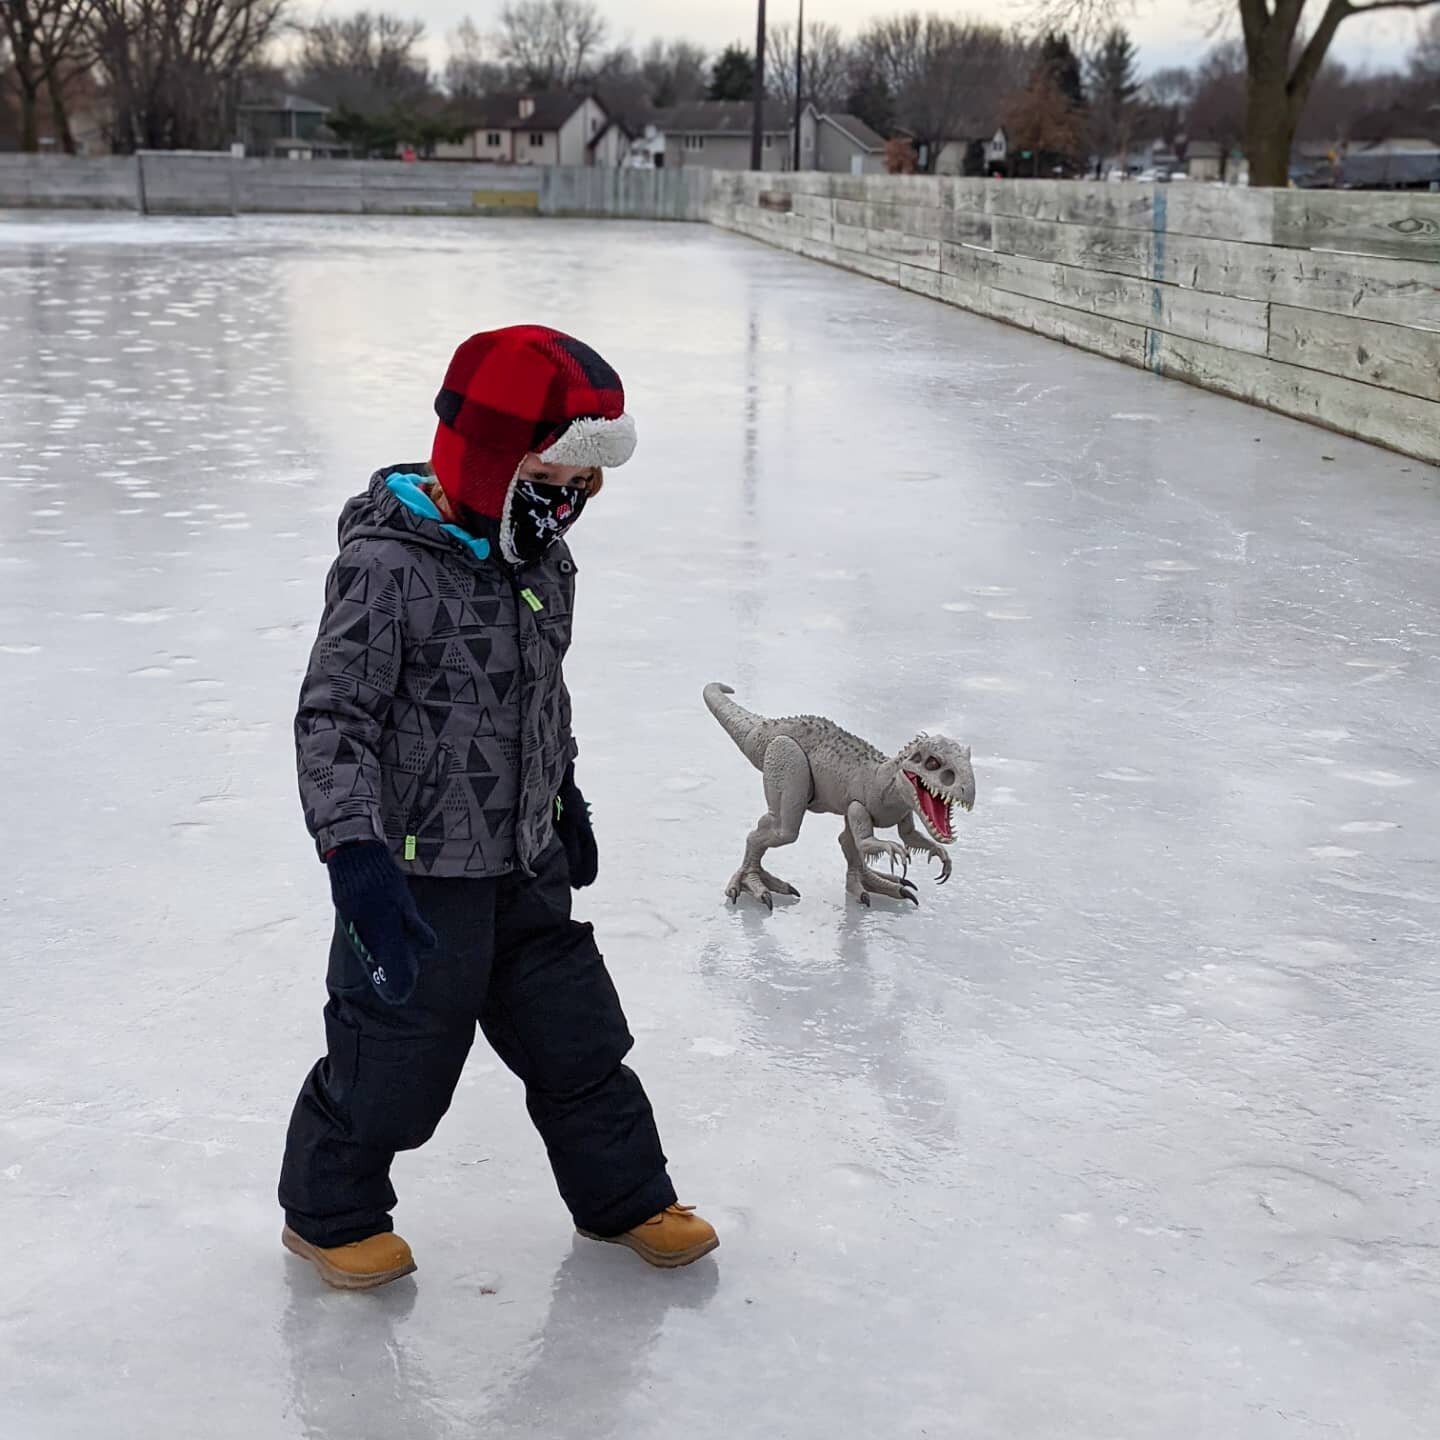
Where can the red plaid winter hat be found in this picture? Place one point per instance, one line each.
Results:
(522, 389)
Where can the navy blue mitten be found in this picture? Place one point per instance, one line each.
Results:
(572, 825)
(380, 917)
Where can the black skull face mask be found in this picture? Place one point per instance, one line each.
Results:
(536, 516)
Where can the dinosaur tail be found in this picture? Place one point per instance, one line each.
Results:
(741, 725)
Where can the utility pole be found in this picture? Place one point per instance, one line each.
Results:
(757, 125)
(799, 78)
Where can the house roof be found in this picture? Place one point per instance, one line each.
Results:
(1204, 150)
(502, 112)
(611, 124)
(277, 100)
(855, 130)
(721, 117)
(1401, 145)
(1390, 168)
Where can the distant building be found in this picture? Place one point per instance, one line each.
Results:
(997, 153)
(542, 128)
(715, 135)
(1205, 160)
(1395, 148)
(1401, 163)
(975, 149)
(276, 123)
(647, 149)
(839, 144)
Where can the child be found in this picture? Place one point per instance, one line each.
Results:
(437, 774)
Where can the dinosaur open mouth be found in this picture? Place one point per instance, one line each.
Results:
(936, 810)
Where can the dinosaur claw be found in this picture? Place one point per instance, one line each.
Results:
(865, 901)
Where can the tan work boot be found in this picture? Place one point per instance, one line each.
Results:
(361, 1265)
(676, 1236)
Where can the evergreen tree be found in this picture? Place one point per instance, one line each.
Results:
(1113, 84)
(1059, 58)
(870, 99)
(733, 75)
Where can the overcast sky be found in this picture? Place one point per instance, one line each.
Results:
(1167, 31)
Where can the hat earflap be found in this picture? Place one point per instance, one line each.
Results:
(593, 442)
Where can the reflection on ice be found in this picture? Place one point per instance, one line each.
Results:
(1130, 1133)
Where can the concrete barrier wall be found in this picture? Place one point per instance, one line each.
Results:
(1321, 305)
(638, 194)
(199, 184)
(44, 182)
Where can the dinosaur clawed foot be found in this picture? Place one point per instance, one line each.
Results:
(760, 885)
(863, 884)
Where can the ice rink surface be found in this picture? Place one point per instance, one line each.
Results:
(1130, 1133)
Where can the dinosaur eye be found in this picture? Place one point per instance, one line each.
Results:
(932, 763)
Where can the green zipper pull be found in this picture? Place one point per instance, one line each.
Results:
(532, 600)
(409, 847)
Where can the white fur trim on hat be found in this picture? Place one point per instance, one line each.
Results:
(602, 443)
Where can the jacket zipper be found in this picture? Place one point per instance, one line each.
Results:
(442, 764)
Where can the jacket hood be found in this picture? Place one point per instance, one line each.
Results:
(379, 513)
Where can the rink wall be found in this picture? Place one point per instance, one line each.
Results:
(173, 183)
(1320, 305)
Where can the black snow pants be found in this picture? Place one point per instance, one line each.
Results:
(511, 958)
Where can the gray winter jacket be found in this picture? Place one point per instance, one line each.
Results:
(434, 715)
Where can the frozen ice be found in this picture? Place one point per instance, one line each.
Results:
(1130, 1133)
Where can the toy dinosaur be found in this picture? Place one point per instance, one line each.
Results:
(810, 763)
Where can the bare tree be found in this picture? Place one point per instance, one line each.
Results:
(1425, 63)
(941, 74)
(1285, 41)
(174, 67)
(551, 44)
(1340, 98)
(826, 64)
(674, 71)
(469, 70)
(49, 44)
(1217, 106)
(365, 62)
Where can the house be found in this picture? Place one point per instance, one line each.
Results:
(715, 135)
(1205, 160)
(539, 128)
(611, 145)
(839, 144)
(1399, 163)
(1314, 164)
(276, 123)
(997, 153)
(974, 149)
(647, 149)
